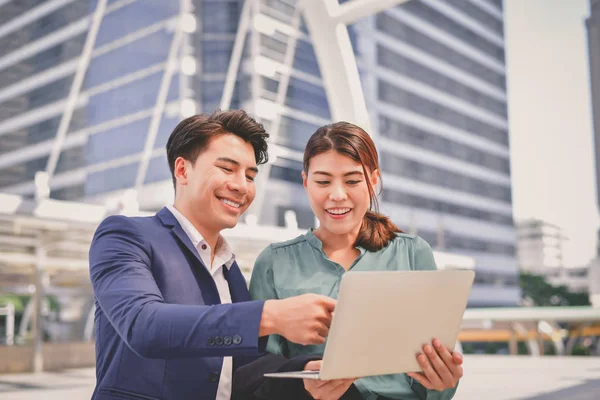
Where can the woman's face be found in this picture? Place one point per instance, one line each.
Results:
(337, 190)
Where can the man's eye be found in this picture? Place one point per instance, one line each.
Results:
(322, 182)
(250, 178)
(226, 169)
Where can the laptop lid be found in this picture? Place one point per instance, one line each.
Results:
(383, 318)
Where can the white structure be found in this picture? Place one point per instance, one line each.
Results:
(540, 247)
(576, 279)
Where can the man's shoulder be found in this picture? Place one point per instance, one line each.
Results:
(118, 219)
(139, 226)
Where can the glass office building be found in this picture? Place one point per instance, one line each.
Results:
(433, 74)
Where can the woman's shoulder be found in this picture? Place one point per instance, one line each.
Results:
(288, 243)
(404, 238)
(278, 247)
(411, 242)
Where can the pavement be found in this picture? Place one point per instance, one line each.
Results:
(486, 377)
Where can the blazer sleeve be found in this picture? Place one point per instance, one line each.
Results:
(126, 292)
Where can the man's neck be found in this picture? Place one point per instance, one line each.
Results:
(211, 236)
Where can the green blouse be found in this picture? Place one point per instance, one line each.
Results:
(300, 266)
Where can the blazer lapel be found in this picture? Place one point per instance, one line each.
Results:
(202, 275)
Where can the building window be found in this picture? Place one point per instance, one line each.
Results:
(486, 19)
(414, 38)
(133, 17)
(402, 65)
(436, 18)
(307, 97)
(413, 201)
(130, 136)
(216, 55)
(220, 17)
(395, 96)
(158, 170)
(405, 133)
(454, 242)
(143, 53)
(117, 178)
(294, 134)
(436, 176)
(287, 170)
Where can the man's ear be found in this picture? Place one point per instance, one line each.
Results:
(304, 179)
(180, 170)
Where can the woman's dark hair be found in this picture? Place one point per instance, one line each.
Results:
(192, 135)
(352, 141)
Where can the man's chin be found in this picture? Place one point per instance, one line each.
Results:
(229, 223)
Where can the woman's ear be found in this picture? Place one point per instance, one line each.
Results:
(375, 178)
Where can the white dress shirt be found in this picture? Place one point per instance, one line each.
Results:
(223, 257)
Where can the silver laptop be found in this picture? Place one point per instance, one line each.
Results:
(383, 318)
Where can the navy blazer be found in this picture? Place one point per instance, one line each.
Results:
(161, 332)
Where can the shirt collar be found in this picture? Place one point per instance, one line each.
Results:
(224, 251)
(315, 242)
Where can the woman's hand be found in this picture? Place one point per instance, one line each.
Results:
(325, 390)
(442, 368)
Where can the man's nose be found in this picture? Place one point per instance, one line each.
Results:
(238, 184)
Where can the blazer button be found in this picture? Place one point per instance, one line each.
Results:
(211, 341)
(219, 341)
(227, 340)
(213, 376)
(237, 339)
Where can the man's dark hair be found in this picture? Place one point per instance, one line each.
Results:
(192, 135)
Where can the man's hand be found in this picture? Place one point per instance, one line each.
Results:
(325, 390)
(442, 368)
(303, 319)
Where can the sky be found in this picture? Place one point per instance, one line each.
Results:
(550, 122)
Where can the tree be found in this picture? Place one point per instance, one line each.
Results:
(536, 290)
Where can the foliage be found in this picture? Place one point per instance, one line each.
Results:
(536, 290)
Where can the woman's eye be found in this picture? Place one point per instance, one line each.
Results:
(353, 182)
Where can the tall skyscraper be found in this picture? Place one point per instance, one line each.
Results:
(434, 78)
(41, 45)
(433, 73)
(593, 29)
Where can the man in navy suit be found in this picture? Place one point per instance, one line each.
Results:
(173, 315)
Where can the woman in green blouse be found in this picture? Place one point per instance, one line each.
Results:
(340, 173)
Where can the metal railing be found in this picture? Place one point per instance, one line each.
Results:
(9, 312)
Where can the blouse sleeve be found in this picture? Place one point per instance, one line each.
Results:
(262, 287)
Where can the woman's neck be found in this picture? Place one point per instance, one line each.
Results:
(339, 248)
(336, 242)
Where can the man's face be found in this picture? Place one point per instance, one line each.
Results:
(217, 189)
